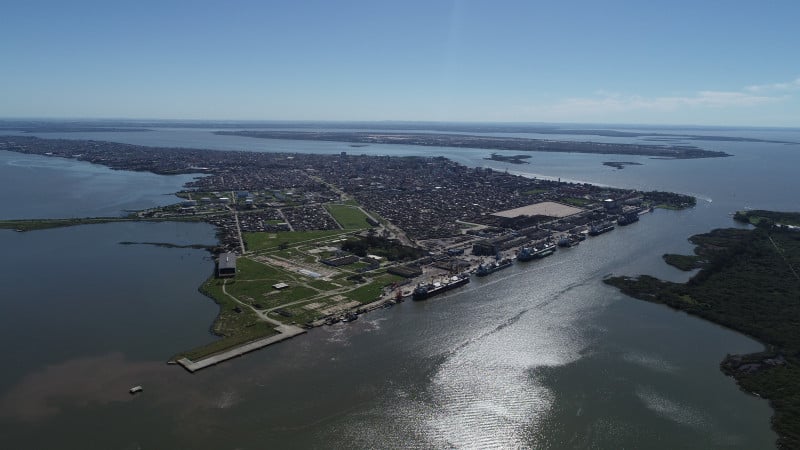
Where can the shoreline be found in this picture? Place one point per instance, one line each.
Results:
(747, 283)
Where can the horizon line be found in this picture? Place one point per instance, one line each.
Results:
(388, 121)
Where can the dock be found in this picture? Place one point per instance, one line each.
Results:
(285, 332)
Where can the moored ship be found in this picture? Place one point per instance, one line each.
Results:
(424, 291)
(605, 227)
(486, 269)
(529, 253)
(628, 219)
(571, 240)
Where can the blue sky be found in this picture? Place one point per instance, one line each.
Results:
(665, 62)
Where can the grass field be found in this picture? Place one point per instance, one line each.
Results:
(233, 327)
(349, 217)
(370, 291)
(273, 241)
(575, 201)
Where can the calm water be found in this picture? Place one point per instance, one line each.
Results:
(542, 355)
(37, 187)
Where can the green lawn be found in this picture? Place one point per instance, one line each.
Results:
(535, 191)
(321, 285)
(272, 241)
(255, 331)
(370, 291)
(247, 269)
(263, 294)
(575, 201)
(349, 217)
(234, 327)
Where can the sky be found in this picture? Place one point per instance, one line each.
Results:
(729, 63)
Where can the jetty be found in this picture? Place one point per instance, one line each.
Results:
(285, 332)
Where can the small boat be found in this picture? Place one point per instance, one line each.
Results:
(331, 320)
(135, 390)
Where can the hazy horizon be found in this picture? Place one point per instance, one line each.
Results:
(452, 61)
(245, 122)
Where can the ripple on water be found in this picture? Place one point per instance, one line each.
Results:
(650, 362)
(665, 407)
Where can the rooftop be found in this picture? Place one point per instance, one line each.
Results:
(550, 209)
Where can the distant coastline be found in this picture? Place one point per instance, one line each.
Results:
(485, 142)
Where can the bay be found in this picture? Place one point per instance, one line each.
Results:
(539, 356)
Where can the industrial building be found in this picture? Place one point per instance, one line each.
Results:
(226, 265)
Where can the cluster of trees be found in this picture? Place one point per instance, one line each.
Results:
(372, 244)
(669, 198)
(767, 219)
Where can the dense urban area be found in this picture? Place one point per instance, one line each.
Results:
(307, 240)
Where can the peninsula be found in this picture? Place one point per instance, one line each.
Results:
(748, 281)
(308, 240)
(486, 142)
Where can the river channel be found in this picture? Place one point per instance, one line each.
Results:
(542, 355)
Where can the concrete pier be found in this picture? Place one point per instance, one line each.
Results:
(285, 332)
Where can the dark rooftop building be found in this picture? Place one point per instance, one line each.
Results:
(226, 265)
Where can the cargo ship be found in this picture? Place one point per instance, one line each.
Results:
(529, 253)
(571, 240)
(486, 269)
(628, 219)
(600, 229)
(424, 291)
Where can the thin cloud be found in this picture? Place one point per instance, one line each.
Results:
(788, 86)
(604, 102)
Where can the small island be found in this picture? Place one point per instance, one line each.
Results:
(513, 159)
(620, 164)
(748, 281)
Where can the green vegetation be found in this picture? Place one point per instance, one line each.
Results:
(757, 216)
(683, 262)
(42, 224)
(575, 201)
(273, 241)
(234, 323)
(535, 191)
(349, 217)
(390, 249)
(748, 282)
(321, 285)
(257, 330)
(369, 292)
(668, 200)
(248, 269)
(304, 300)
